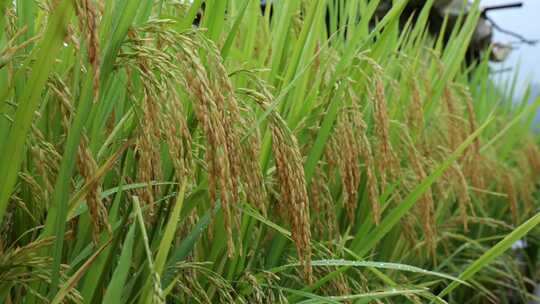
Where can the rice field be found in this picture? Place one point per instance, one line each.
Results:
(303, 155)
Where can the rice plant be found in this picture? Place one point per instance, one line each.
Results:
(259, 157)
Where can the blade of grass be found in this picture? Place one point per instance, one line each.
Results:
(234, 30)
(180, 253)
(120, 275)
(493, 253)
(55, 222)
(147, 294)
(371, 296)
(40, 69)
(72, 281)
(166, 239)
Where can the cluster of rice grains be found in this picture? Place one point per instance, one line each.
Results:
(88, 169)
(88, 24)
(528, 161)
(182, 76)
(348, 148)
(294, 200)
(519, 184)
(428, 147)
(422, 149)
(467, 179)
(191, 63)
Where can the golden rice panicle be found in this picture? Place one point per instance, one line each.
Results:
(88, 16)
(233, 125)
(292, 183)
(205, 114)
(471, 115)
(38, 157)
(348, 159)
(176, 133)
(252, 174)
(88, 169)
(444, 186)
(337, 286)
(371, 182)
(386, 162)
(250, 168)
(294, 193)
(526, 182)
(178, 146)
(62, 92)
(453, 121)
(227, 168)
(322, 209)
(331, 155)
(473, 161)
(415, 114)
(148, 150)
(214, 113)
(528, 161)
(46, 161)
(342, 286)
(316, 199)
(369, 163)
(409, 232)
(511, 194)
(464, 200)
(155, 77)
(247, 169)
(427, 208)
(533, 156)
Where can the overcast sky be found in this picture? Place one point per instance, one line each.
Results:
(525, 21)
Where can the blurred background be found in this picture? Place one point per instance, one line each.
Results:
(524, 59)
